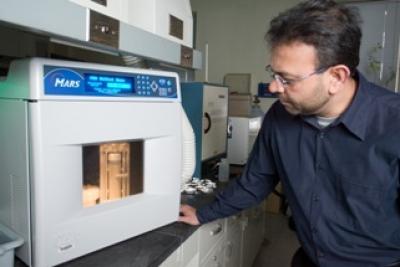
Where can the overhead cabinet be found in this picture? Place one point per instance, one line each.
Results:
(162, 33)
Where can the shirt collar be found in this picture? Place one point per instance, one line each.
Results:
(356, 116)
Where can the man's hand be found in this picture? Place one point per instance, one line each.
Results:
(188, 215)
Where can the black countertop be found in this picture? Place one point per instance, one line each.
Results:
(146, 250)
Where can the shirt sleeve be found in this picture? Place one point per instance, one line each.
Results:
(258, 179)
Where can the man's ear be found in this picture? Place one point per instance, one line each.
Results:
(338, 75)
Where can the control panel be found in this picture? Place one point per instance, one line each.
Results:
(88, 82)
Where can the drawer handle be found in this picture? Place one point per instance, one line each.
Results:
(216, 231)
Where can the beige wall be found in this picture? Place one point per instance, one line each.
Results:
(234, 31)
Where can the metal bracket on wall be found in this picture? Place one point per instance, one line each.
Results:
(186, 56)
(104, 29)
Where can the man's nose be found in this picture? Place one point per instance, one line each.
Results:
(275, 87)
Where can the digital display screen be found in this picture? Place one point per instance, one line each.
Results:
(109, 84)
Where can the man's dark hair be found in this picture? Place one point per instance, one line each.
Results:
(332, 29)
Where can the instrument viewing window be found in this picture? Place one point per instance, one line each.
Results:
(112, 171)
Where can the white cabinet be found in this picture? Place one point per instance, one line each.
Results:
(69, 23)
(211, 243)
(232, 244)
(252, 234)
(216, 256)
(190, 251)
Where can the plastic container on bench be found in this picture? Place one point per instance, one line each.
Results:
(8, 242)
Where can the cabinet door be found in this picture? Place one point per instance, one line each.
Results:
(252, 236)
(216, 257)
(232, 250)
(209, 235)
(232, 244)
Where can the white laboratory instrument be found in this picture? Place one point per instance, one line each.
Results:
(90, 155)
(244, 134)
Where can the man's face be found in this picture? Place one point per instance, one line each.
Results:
(307, 93)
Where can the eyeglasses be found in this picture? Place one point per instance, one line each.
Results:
(285, 82)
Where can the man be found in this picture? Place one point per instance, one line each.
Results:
(332, 140)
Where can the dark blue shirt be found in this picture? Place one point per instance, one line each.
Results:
(341, 182)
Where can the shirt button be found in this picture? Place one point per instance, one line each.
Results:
(320, 254)
(314, 230)
(316, 198)
(321, 135)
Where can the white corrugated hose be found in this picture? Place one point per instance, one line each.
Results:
(188, 150)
